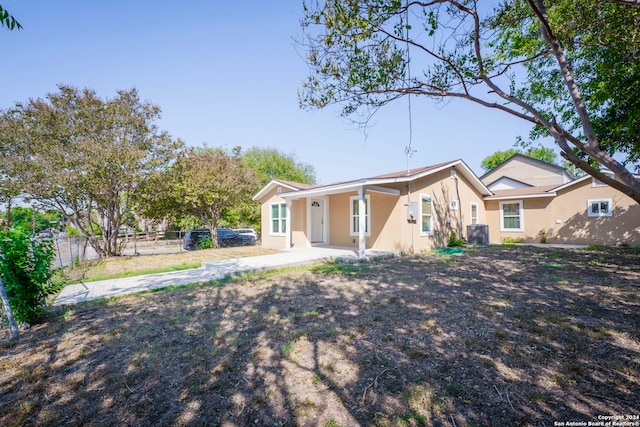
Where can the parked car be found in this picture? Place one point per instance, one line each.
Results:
(226, 237)
(193, 237)
(249, 235)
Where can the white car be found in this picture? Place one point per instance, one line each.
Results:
(248, 232)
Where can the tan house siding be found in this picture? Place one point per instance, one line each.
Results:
(527, 170)
(621, 228)
(564, 218)
(269, 240)
(299, 223)
(339, 220)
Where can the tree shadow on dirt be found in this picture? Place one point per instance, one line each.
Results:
(496, 336)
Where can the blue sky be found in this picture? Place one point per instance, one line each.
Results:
(227, 74)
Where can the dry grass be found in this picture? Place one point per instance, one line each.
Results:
(498, 336)
(127, 266)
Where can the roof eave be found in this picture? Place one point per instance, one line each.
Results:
(521, 196)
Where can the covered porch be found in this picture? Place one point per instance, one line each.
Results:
(311, 212)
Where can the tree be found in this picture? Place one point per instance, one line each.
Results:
(33, 220)
(8, 21)
(201, 184)
(269, 163)
(360, 54)
(79, 154)
(541, 153)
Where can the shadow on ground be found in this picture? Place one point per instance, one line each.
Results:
(496, 336)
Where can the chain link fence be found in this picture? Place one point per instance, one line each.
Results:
(71, 250)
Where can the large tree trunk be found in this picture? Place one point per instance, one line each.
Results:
(7, 308)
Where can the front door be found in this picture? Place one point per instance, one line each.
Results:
(317, 221)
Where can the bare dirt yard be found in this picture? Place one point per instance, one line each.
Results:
(498, 336)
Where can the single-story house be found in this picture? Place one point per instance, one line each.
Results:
(419, 209)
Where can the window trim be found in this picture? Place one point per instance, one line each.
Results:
(367, 199)
(471, 205)
(279, 219)
(609, 212)
(430, 198)
(520, 204)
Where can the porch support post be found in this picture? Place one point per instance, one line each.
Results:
(362, 223)
(287, 239)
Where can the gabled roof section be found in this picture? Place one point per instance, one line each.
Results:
(374, 183)
(547, 171)
(504, 178)
(275, 183)
(523, 193)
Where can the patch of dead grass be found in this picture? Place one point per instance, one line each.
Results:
(485, 340)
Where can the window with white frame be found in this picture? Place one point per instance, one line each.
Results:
(474, 213)
(596, 208)
(278, 218)
(511, 216)
(355, 216)
(426, 215)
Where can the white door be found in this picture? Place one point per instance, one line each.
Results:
(317, 221)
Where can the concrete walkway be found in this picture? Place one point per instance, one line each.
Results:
(209, 271)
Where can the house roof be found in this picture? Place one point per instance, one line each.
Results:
(505, 177)
(524, 193)
(532, 160)
(376, 183)
(275, 183)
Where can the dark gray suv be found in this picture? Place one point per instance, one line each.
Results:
(226, 237)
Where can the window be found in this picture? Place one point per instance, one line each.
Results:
(453, 205)
(279, 218)
(355, 215)
(474, 213)
(426, 215)
(511, 216)
(597, 208)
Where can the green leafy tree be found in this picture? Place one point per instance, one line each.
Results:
(201, 184)
(266, 164)
(366, 54)
(25, 218)
(270, 163)
(79, 154)
(25, 269)
(541, 153)
(8, 21)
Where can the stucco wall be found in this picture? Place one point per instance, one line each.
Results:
(269, 240)
(389, 226)
(299, 223)
(527, 170)
(564, 218)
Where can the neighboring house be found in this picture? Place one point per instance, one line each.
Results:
(406, 211)
(523, 199)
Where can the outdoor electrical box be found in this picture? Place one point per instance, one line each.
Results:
(412, 211)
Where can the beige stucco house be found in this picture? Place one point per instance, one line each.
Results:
(419, 209)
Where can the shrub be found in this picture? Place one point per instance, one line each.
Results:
(454, 240)
(25, 267)
(511, 240)
(206, 243)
